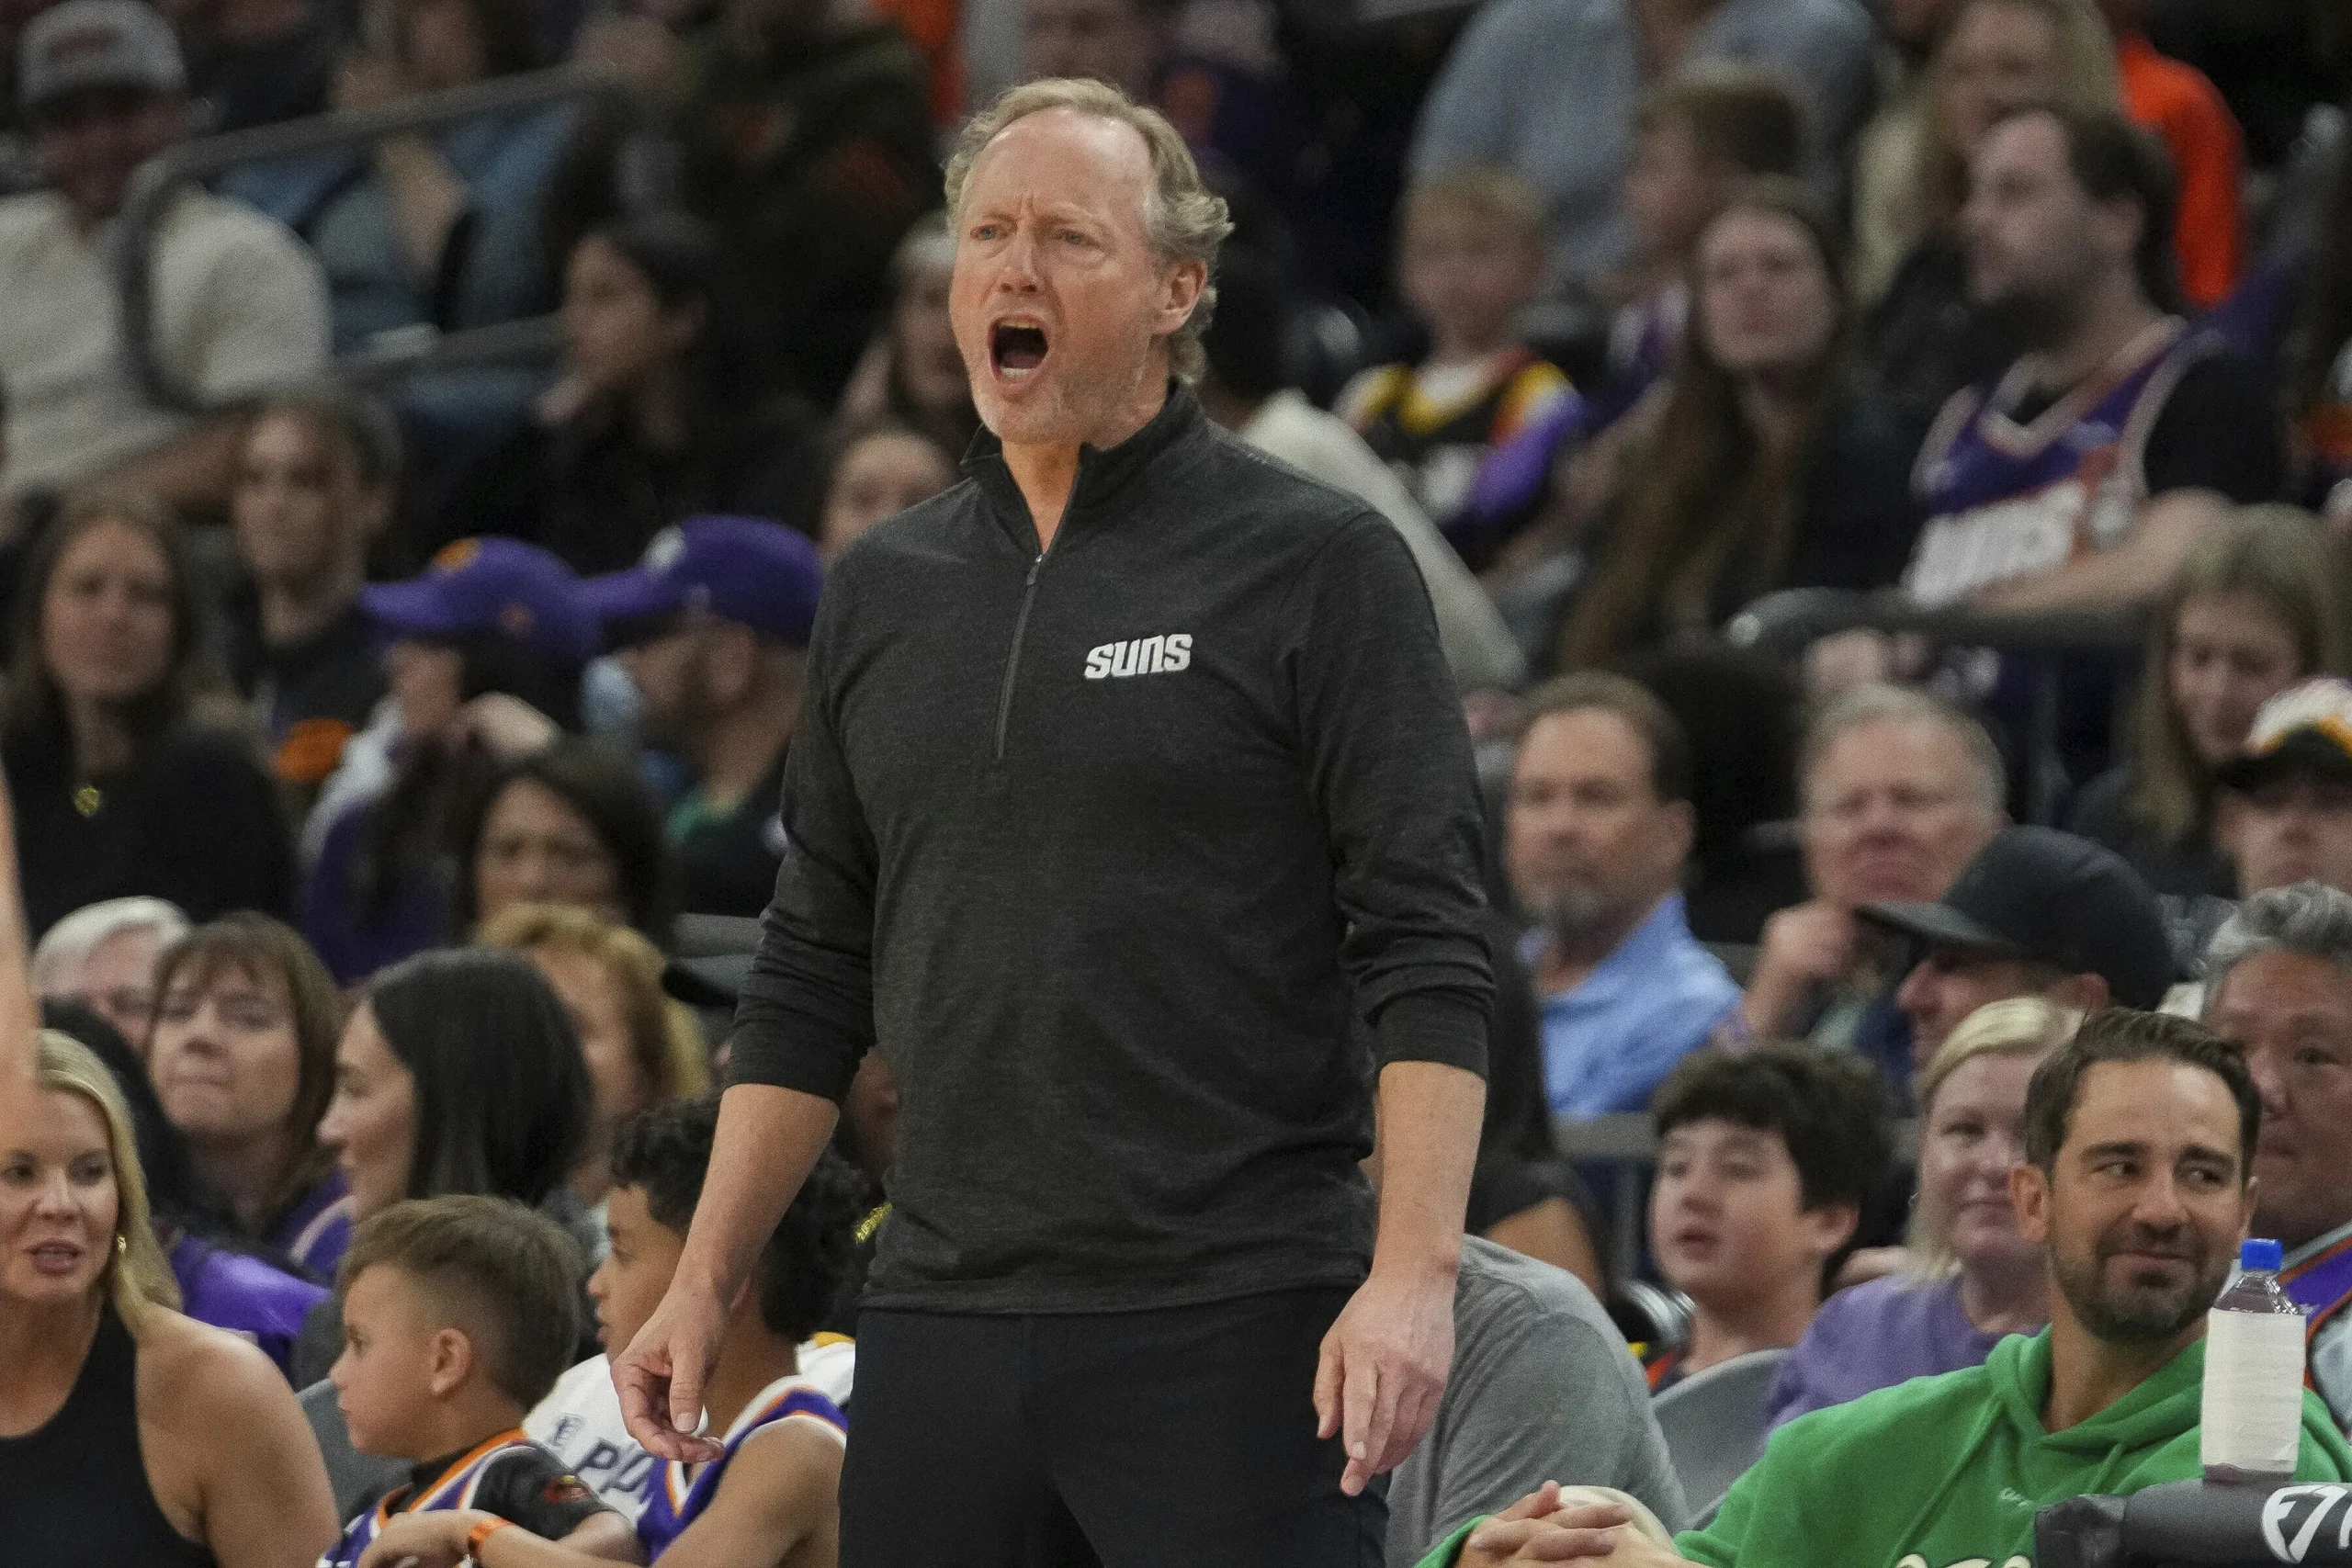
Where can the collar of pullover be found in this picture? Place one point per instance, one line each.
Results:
(1101, 474)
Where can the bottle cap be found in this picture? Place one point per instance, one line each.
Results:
(2258, 1252)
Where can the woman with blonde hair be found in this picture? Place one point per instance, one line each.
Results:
(641, 1048)
(1969, 1278)
(2256, 606)
(129, 1434)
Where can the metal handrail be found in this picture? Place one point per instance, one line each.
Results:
(390, 356)
(161, 178)
(1784, 622)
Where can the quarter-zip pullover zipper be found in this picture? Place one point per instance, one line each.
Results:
(1013, 659)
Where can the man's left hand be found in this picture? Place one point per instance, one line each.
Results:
(432, 1539)
(1383, 1367)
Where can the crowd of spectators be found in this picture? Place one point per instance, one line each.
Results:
(1881, 473)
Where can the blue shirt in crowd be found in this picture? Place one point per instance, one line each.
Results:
(1609, 1041)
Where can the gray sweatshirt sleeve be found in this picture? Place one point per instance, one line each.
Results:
(1538, 1393)
(1387, 761)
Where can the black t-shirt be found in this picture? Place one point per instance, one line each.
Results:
(311, 695)
(281, 78)
(1111, 847)
(2191, 867)
(728, 859)
(194, 820)
(1924, 340)
(526, 1485)
(594, 494)
(2217, 431)
(1855, 520)
(1859, 516)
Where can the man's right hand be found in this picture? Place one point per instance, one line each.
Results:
(1804, 947)
(660, 1377)
(767, 1139)
(1536, 1528)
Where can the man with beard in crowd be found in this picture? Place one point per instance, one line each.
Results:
(2139, 1136)
(712, 627)
(1598, 830)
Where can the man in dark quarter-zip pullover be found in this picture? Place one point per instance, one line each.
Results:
(1129, 801)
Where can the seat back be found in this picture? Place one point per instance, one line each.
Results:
(1713, 1423)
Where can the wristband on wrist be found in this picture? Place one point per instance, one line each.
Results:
(482, 1532)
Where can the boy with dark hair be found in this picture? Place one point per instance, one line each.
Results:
(1765, 1160)
(459, 1314)
(769, 1501)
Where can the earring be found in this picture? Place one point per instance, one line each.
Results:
(121, 1245)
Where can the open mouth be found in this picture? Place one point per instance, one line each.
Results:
(56, 1258)
(1017, 348)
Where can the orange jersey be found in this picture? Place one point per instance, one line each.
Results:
(2179, 105)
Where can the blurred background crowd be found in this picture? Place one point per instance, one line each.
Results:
(1883, 473)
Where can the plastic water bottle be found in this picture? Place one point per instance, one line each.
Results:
(2252, 1412)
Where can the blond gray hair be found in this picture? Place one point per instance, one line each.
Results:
(1185, 219)
(1886, 702)
(2016, 1026)
(57, 961)
(137, 1276)
(2308, 919)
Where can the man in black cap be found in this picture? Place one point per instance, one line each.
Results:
(2038, 912)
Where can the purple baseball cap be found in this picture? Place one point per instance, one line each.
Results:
(490, 587)
(746, 569)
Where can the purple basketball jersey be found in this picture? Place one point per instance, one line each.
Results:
(677, 1494)
(2007, 501)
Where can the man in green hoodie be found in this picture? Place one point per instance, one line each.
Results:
(2139, 1136)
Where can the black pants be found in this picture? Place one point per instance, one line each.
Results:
(1180, 1437)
